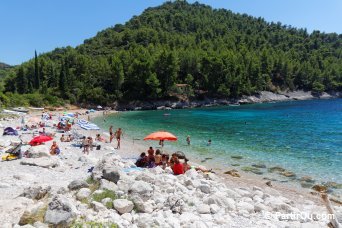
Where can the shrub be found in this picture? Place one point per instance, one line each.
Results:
(105, 194)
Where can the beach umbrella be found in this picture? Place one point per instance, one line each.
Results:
(40, 139)
(161, 135)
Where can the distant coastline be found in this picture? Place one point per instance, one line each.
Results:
(261, 97)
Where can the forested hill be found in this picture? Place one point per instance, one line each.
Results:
(4, 66)
(185, 49)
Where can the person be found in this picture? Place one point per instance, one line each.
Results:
(150, 152)
(172, 160)
(142, 160)
(188, 140)
(118, 135)
(85, 145)
(54, 149)
(209, 142)
(158, 157)
(151, 163)
(111, 135)
(165, 160)
(99, 138)
(43, 132)
(63, 139)
(161, 143)
(177, 167)
(90, 142)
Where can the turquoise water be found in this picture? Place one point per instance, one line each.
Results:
(304, 137)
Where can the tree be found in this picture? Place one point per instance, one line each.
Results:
(36, 71)
(22, 82)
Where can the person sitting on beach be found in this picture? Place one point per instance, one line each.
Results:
(43, 132)
(158, 157)
(151, 163)
(63, 139)
(54, 149)
(172, 160)
(150, 152)
(177, 167)
(70, 138)
(187, 167)
(142, 160)
(165, 160)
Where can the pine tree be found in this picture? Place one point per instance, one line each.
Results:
(36, 71)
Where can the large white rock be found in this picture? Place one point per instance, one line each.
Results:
(221, 200)
(98, 207)
(60, 211)
(123, 205)
(214, 208)
(44, 162)
(141, 188)
(203, 209)
(245, 206)
(105, 184)
(83, 193)
(204, 188)
(38, 152)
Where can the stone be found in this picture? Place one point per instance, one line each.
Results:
(259, 207)
(307, 179)
(269, 183)
(60, 211)
(36, 193)
(44, 162)
(77, 184)
(98, 207)
(83, 193)
(147, 177)
(141, 188)
(276, 169)
(204, 188)
(127, 216)
(320, 188)
(33, 214)
(245, 206)
(221, 200)
(123, 205)
(40, 225)
(108, 202)
(83, 159)
(236, 157)
(288, 174)
(233, 173)
(260, 166)
(214, 208)
(175, 203)
(38, 152)
(105, 184)
(111, 174)
(203, 209)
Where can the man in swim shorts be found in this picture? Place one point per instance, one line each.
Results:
(118, 135)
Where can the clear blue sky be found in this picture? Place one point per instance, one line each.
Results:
(46, 24)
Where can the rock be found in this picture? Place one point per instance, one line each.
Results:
(245, 206)
(44, 162)
(127, 216)
(307, 179)
(320, 188)
(204, 188)
(236, 164)
(60, 211)
(108, 202)
(98, 207)
(36, 193)
(105, 184)
(221, 200)
(175, 203)
(111, 174)
(147, 177)
(334, 185)
(269, 183)
(276, 169)
(141, 188)
(203, 209)
(38, 152)
(77, 184)
(5, 185)
(33, 214)
(233, 173)
(83, 193)
(305, 184)
(251, 169)
(123, 205)
(40, 225)
(259, 207)
(236, 157)
(260, 166)
(214, 208)
(83, 159)
(288, 174)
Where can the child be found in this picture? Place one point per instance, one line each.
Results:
(158, 157)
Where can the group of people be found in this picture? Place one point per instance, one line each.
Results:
(156, 158)
(87, 144)
(118, 134)
(68, 138)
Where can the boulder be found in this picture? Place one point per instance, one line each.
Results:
(320, 188)
(175, 203)
(37, 192)
(203, 209)
(40, 225)
(123, 205)
(108, 202)
(83, 193)
(60, 211)
(245, 206)
(141, 188)
(38, 152)
(77, 184)
(204, 188)
(221, 200)
(233, 173)
(105, 184)
(111, 174)
(214, 208)
(98, 207)
(33, 214)
(44, 162)
(147, 177)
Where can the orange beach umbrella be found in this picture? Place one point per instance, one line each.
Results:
(161, 135)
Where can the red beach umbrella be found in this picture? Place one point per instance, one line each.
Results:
(161, 135)
(39, 140)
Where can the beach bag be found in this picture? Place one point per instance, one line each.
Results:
(58, 151)
(98, 147)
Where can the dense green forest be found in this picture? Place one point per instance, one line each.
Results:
(215, 52)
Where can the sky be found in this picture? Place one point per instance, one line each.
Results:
(43, 25)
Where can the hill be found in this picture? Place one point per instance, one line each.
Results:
(185, 49)
(4, 65)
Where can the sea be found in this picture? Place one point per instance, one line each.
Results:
(303, 137)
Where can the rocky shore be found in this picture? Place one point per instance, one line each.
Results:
(261, 97)
(106, 188)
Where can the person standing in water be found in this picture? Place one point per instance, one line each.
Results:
(111, 135)
(209, 142)
(188, 140)
(118, 135)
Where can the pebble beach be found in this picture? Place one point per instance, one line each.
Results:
(60, 191)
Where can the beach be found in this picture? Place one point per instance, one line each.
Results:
(207, 199)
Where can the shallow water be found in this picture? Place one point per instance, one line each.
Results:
(304, 137)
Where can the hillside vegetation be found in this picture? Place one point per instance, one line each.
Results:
(216, 52)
